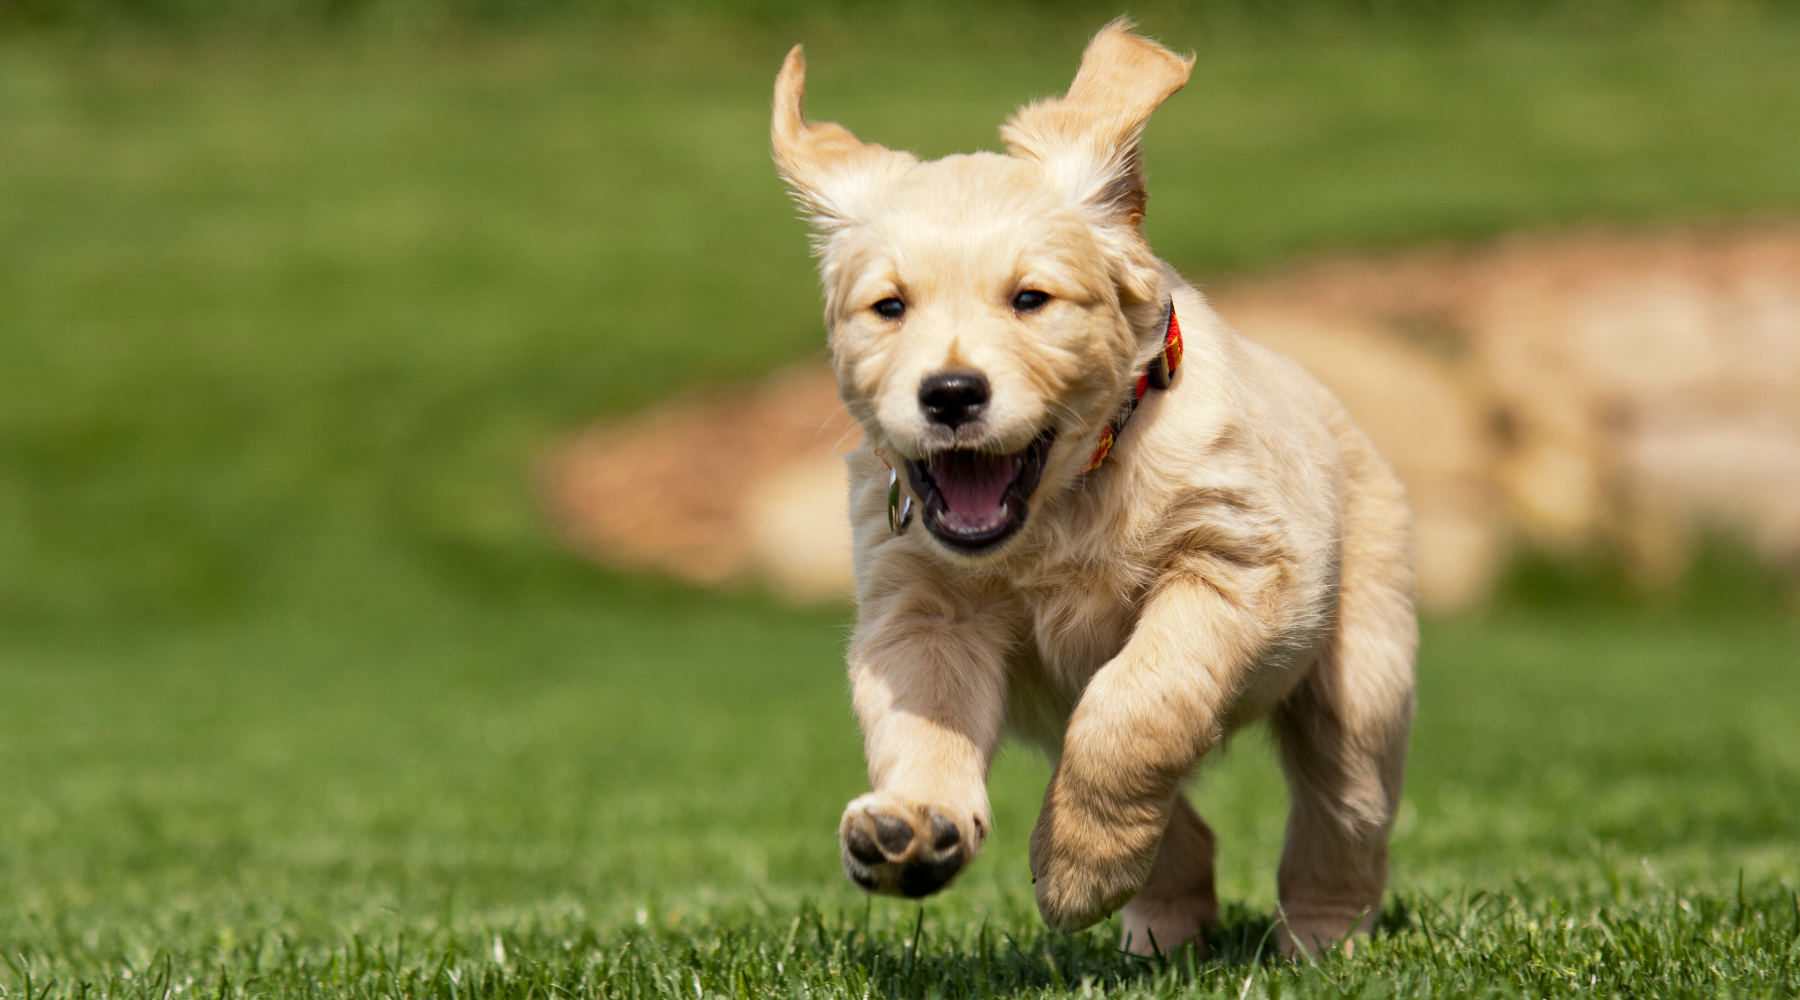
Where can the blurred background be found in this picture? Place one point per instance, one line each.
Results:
(419, 511)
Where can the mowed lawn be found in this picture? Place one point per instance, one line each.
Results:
(298, 699)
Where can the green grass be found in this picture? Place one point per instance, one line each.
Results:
(297, 698)
(632, 787)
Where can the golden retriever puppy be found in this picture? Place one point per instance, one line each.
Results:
(1121, 594)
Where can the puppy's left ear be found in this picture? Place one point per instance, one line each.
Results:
(1087, 141)
(836, 176)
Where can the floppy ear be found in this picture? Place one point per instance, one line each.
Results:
(1087, 141)
(834, 176)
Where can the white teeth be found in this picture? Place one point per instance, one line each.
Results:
(993, 521)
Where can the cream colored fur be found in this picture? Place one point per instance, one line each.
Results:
(1243, 553)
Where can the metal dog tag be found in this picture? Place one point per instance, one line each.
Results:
(900, 510)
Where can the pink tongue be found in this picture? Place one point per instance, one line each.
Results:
(973, 486)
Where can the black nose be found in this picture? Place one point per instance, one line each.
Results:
(953, 398)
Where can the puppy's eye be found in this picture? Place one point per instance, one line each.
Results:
(890, 308)
(1030, 300)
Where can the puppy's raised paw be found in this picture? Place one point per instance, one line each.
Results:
(902, 849)
(1085, 869)
(1071, 897)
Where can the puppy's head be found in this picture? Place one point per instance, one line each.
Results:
(988, 312)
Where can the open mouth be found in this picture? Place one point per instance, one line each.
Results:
(974, 500)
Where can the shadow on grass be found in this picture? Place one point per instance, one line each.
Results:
(924, 960)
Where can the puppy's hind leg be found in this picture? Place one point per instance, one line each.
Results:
(1179, 900)
(1343, 736)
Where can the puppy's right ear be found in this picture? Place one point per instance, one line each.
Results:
(836, 177)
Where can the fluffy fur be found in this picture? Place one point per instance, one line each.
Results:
(1242, 554)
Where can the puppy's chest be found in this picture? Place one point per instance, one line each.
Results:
(1071, 627)
(1078, 621)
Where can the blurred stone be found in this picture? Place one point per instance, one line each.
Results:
(703, 486)
(1567, 389)
(798, 521)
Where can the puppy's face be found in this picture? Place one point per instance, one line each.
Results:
(975, 327)
(987, 311)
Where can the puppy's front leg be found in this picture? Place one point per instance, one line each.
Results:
(1142, 721)
(927, 669)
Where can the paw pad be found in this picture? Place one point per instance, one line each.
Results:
(895, 835)
(901, 852)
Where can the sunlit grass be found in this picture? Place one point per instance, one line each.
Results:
(633, 787)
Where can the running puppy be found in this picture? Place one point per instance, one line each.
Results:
(1122, 594)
